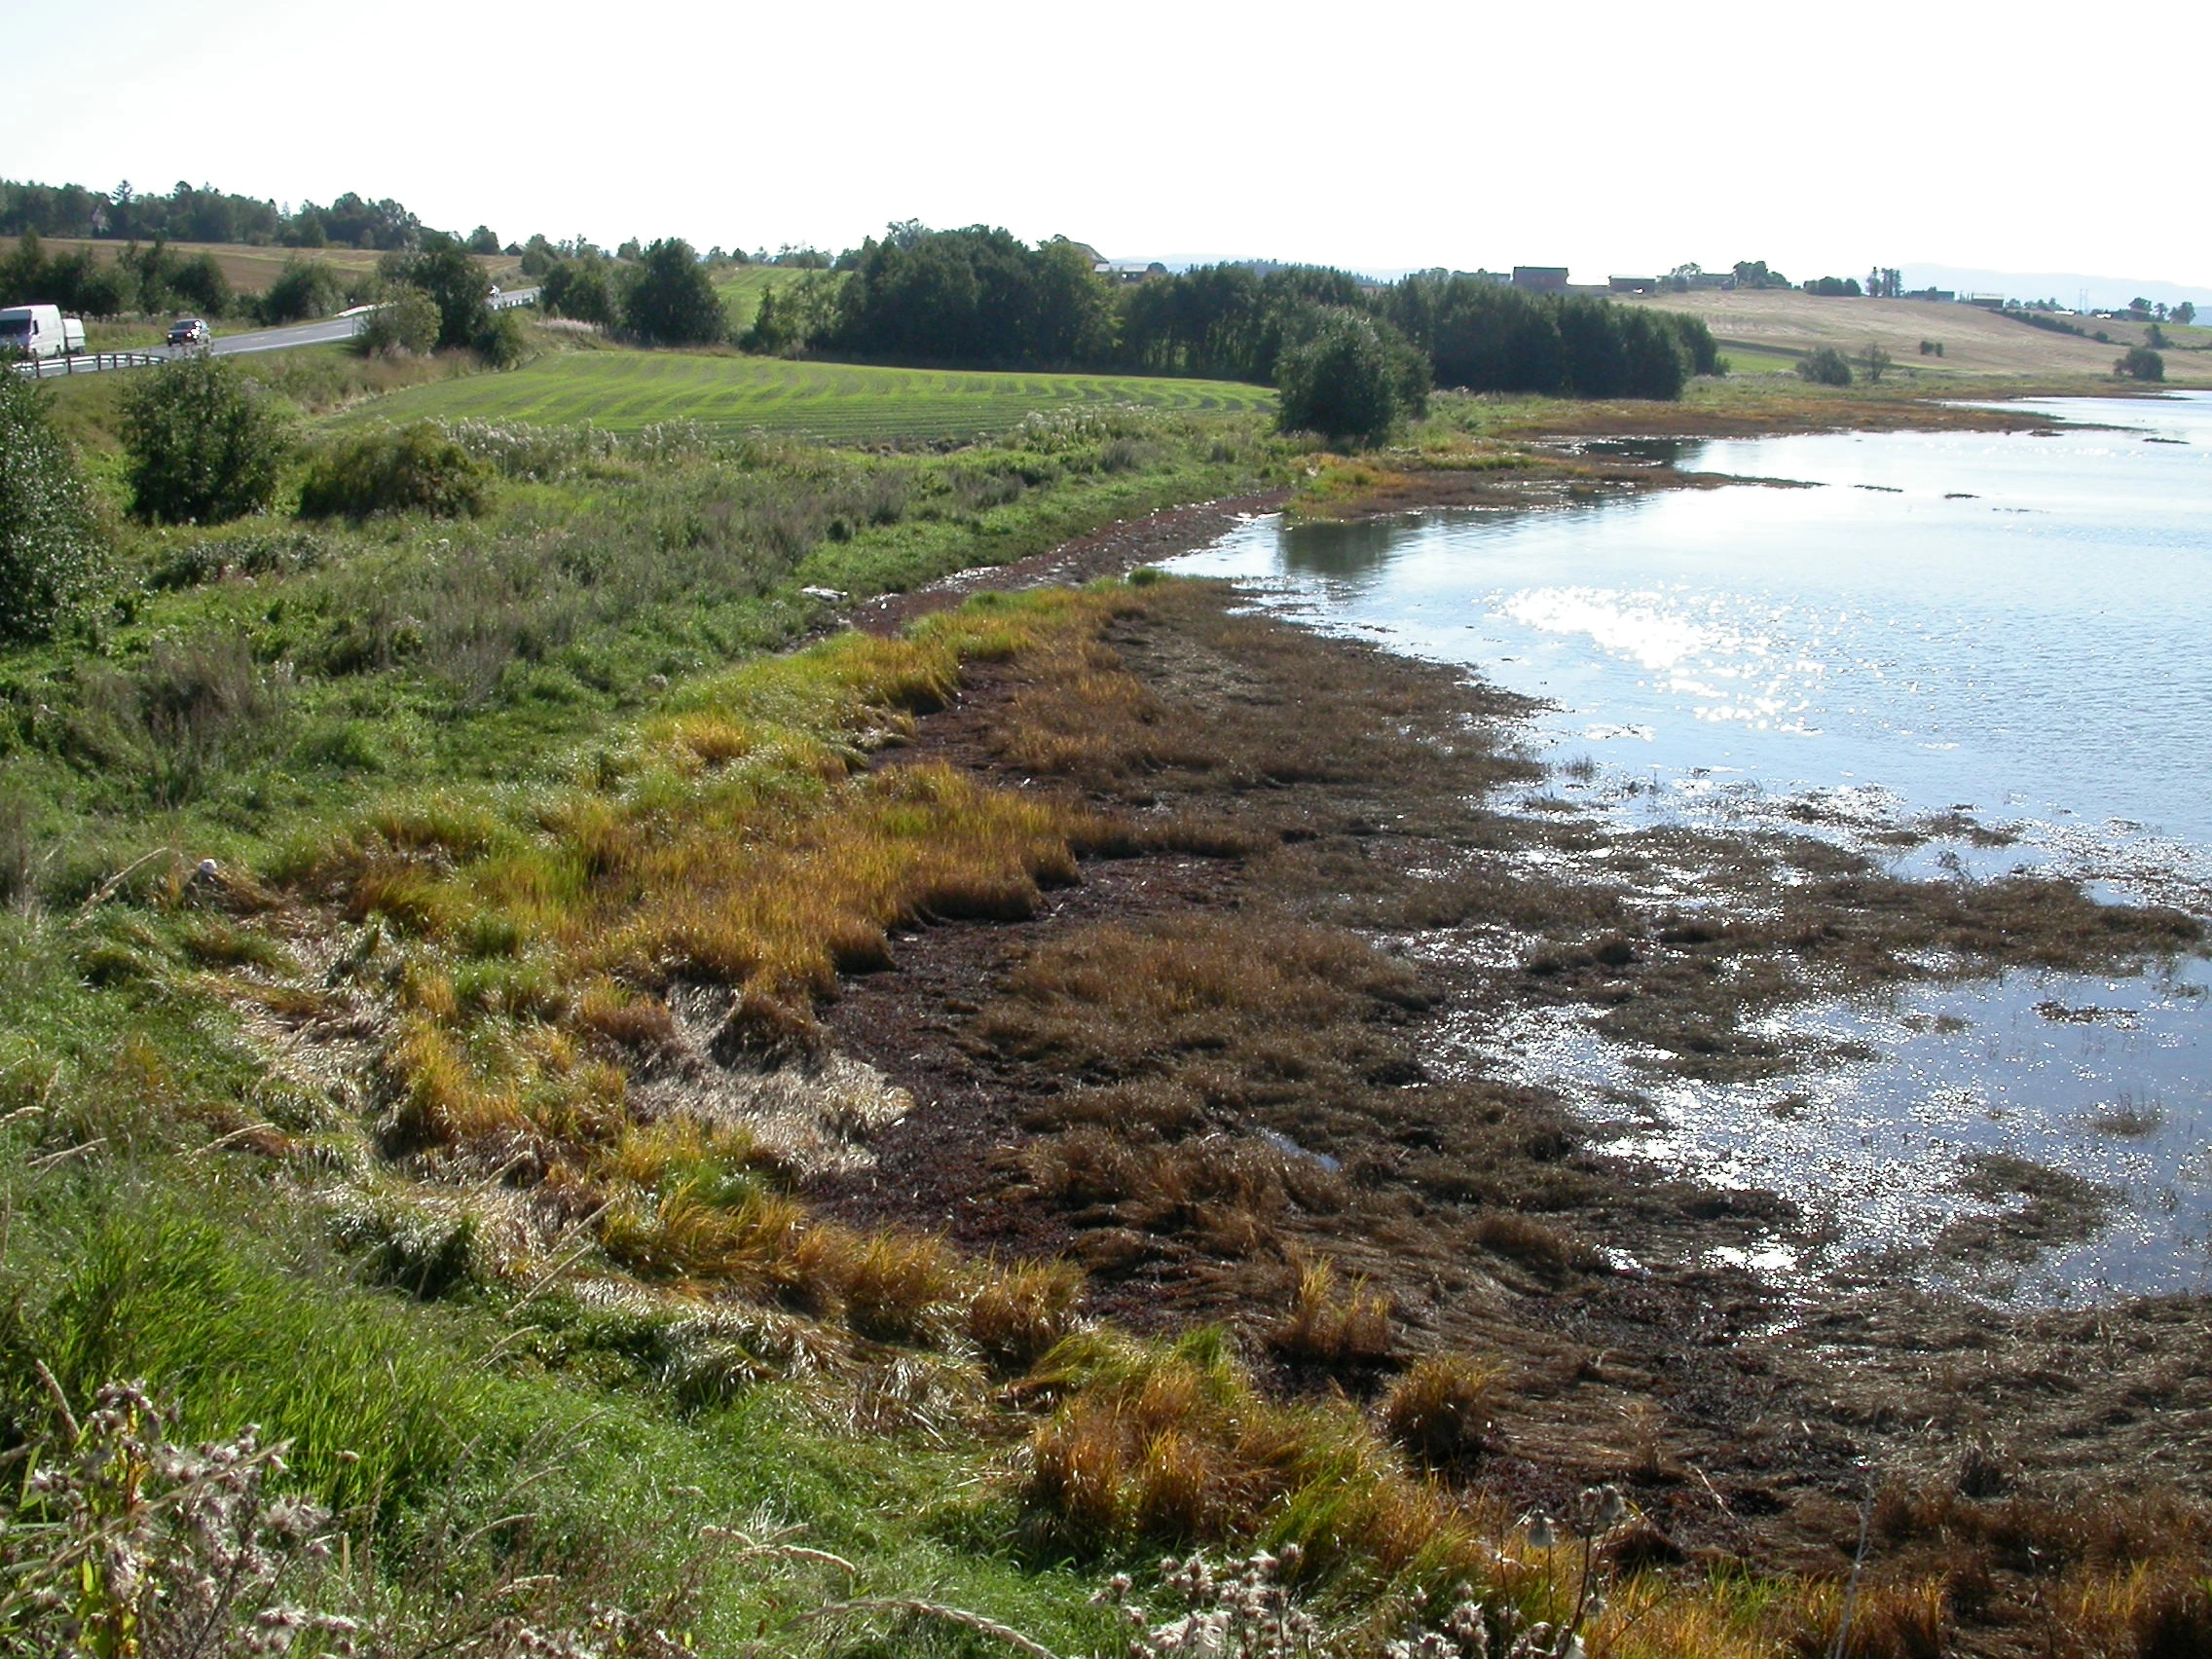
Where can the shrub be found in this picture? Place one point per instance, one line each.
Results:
(1824, 367)
(1875, 362)
(669, 301)
(201, 283)
(1350, 378)
(306, 289)
(414, 469)
(49, 537)
(406, 322)
(503, 341)
(204, 443)
(2141, 363)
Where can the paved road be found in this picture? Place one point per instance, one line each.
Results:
(322, 333)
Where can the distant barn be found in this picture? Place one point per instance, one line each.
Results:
(1540, 279)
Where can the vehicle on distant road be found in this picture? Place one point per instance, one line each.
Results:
(187, 331)
(39, 331)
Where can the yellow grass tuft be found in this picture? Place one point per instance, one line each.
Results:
(1018, 1313)
(1173, 1445)
(1328, 1326)
(441, 1100)
(899, 1287)
(1440, 1410)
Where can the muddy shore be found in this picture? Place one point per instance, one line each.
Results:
(1242, 1044)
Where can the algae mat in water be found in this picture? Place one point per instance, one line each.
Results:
(625, 390)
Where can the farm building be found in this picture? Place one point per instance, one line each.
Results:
(1540, 279)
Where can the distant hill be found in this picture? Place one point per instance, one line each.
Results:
(2105, 293)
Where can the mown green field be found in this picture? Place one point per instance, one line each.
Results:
(740, 287)
(624, 391)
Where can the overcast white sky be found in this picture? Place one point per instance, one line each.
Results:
(1612, 138)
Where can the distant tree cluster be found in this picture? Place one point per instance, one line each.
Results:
(1488, 336)
(1834, 287)
(1339, 348)
(1753, 274)
(203, 214)
(660, 295)
(436, 298)
(972, 296)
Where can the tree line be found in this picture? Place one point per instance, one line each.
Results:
(982, 297)
(205, 214)
(150, 278)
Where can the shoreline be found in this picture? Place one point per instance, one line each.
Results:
(1742, 1441)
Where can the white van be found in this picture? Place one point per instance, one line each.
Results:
(39, 331)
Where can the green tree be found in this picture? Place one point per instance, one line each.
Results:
(200, 283)
(483, 239)
(2141, 363)
(50, 541)
(1875, 362)
(455, 283)
(1349, 377)
(2185, 314)
(204, 444)
(668, 300)
(109, 289)
(578, 288)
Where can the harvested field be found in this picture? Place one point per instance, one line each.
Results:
(1977, 343)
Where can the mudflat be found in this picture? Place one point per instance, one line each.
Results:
(1251, 1039)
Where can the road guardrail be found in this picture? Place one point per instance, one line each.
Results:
(88, 362)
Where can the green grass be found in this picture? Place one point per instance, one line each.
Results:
(625, 391)
(458, 1461)
(742, 286)
(1752, 361)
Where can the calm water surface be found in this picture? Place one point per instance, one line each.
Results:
(2015, 624)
